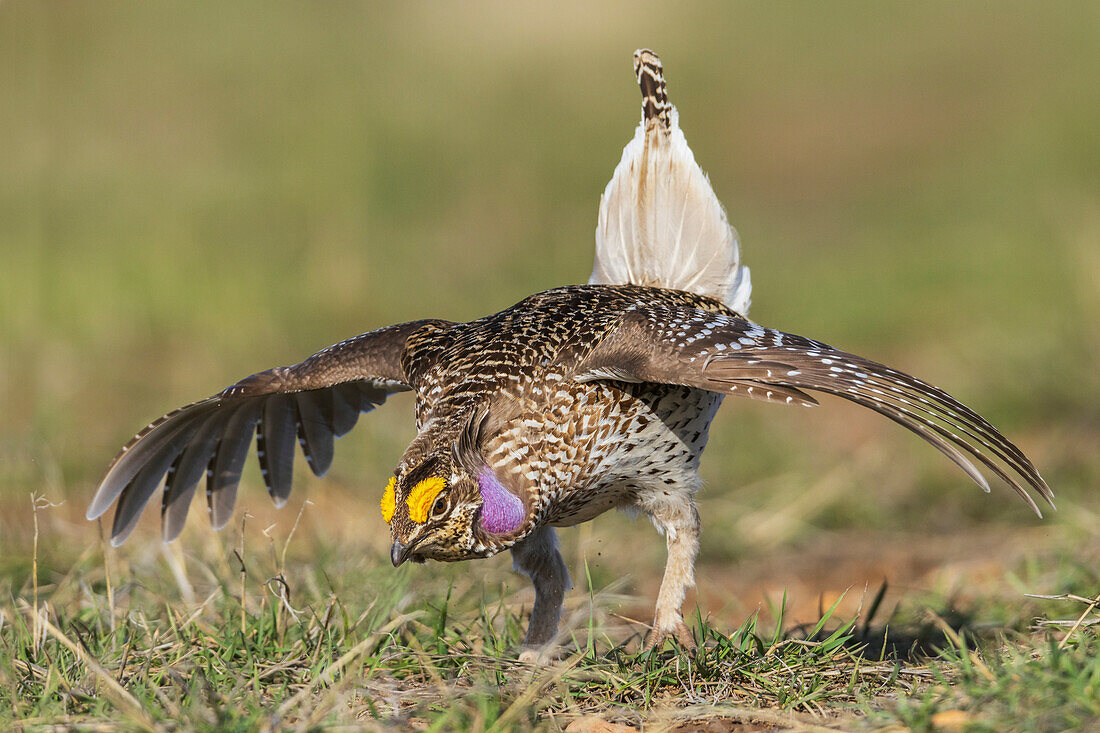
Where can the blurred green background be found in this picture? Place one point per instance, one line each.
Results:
(193, 192)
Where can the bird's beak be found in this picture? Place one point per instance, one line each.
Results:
(399, 553)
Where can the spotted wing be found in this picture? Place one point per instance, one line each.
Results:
(312, 403)
(678, 345)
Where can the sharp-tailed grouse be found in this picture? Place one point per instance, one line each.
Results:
(547, 414)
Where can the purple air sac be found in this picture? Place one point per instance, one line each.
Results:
(501, 510)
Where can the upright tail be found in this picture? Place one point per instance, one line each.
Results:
(660, 223)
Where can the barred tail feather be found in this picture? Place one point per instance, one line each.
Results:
(660, 223)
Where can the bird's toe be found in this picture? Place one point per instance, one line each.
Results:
(679, 631)
(535, 655)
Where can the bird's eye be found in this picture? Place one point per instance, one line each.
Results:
(439, 506)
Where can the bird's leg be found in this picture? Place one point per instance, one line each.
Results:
(675, 515)
(537, 557)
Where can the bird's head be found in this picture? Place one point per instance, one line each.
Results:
(444, 503)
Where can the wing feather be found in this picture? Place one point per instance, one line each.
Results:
(316, 432)
(222, 481)
(145, 482)
(142, 448)
(725, 353)
(185, 476)
(278, 432)
(345, 409)
(316, 401)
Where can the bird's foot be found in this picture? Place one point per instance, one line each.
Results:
(536, 655)
(678, 630)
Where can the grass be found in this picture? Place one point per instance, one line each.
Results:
(191, 194)
(265, 628)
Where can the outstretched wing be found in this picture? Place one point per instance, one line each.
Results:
(677, 345)
(312, 402)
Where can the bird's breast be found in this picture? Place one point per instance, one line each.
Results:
(577, 450)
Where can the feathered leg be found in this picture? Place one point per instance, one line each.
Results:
(674, 514)
(537, 557)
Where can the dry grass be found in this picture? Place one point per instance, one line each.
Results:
(282, 626)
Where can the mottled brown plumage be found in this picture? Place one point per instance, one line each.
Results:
(572, 402)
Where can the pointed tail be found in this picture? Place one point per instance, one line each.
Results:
(660, 223)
